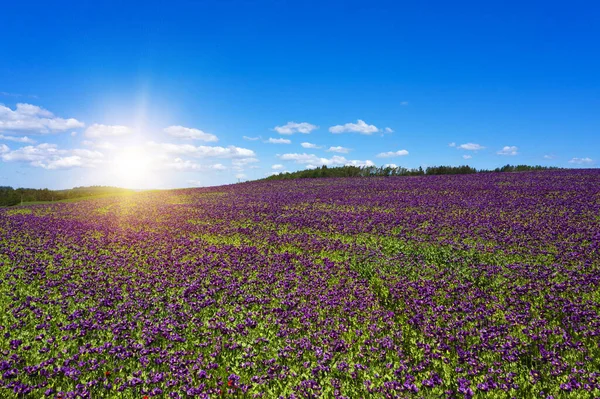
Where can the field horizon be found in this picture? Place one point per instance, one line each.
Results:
(466, 286)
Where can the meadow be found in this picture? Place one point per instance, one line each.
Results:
(465, 286)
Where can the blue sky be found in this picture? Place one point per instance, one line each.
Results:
(180, 94)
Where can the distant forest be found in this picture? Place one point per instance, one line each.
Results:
(369, 171)
(14, 196)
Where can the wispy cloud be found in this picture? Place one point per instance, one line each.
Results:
(293, 127)
(188, 165)
(388, 130)
(203, 151)
(271, 140)
(389, 154)
(17, 139)
(467, 156)
(310, 145)
(100, 145)
(339, 149)
(470, 147)
(190, 133)
(17, 95)
(251, 138)
(359, 127)
(582, 161)
(311, 160)
(277, 166)
(241, 164)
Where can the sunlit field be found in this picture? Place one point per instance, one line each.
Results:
(467, 286)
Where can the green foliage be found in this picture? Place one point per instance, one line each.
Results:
(10, 196)
(373, 171)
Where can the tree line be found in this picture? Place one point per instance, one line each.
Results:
(369, 171)
(14, 196)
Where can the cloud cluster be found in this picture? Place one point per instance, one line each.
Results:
(293, 127)
(389, 154)
(339, 149)
(508, 150)
(187, 165)
(581, 161)
(190, 133)
(49, 156)
(203, 151)
(34, 119)
(470, 147)
(360, 127)
(311, 160)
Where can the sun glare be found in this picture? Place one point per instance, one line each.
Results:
(130, 168)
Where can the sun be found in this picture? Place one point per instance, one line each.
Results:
(130, 167)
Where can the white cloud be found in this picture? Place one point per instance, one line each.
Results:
(310, 145)
(293, 127)
(189, 133)
(404, 103)
(549, 156)
(582, 161)
(467, 156)
(471, 147)
(34, 119)
(4, 149)
(182, 165)
(390, 165)
(312, 160)
(83, 153)
(194, 183)
(240, 176)
(187, 165)
(251, 138)
(98, 130)
(359, 127)
(389, 154)
(453, 144)
(271, 140)
(101, 145)
(508, 150)
(243, 163)
(277, 166)
(389, 130)
(204, 151)
(49, 156)
(73, 134)
(339, 149)
(355, 162)
(17, 139)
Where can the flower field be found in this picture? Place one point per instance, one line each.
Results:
(467, 286)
